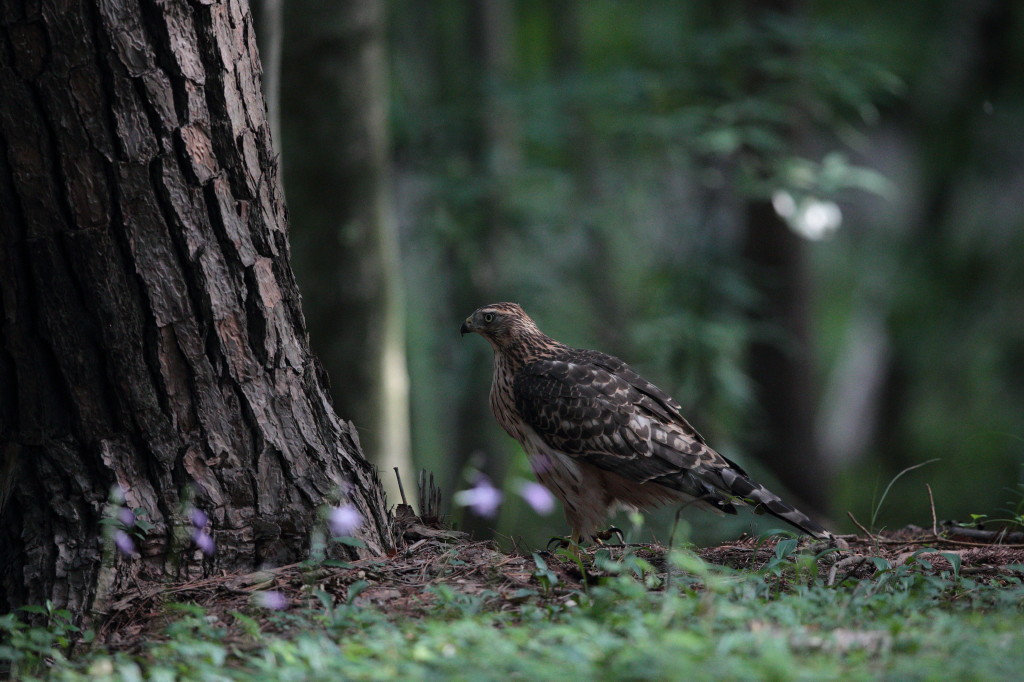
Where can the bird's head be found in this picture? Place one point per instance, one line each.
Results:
(502, 324)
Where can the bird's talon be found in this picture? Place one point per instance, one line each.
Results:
(824, 544)
(560, 542)
(603, 536)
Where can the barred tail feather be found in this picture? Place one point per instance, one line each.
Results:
(741, 486)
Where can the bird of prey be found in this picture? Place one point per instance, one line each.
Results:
(598, 435)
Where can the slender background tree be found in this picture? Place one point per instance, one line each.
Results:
(335, 143)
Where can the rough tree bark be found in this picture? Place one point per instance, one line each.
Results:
(151, 331)
(335, 155)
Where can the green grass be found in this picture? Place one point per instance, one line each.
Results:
(905, 623)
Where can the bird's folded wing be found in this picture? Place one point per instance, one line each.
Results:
(594, 407)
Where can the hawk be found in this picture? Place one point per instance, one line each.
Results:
(598, 435)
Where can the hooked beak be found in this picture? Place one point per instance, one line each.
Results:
(465, 328)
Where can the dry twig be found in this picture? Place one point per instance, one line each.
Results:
(857, 523)
(856, 561)
(931, 501)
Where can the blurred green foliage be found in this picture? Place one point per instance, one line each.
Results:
(598, 176)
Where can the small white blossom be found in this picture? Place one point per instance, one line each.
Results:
(204, 542)
(271, 599)
(538, 497)
(124, 543)
(483, 498)
(126, 516)
(344, 520)
(198, 518)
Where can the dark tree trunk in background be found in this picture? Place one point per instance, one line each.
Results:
(335, 156)
(610, 318)
(494, 153)
(151, 331)
(780, 358)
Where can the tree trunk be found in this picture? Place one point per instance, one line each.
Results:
(780, 360)
(151, 331)
(344, 231)
(494, 151)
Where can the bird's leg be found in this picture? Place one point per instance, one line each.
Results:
(571, 545)
(574, 548)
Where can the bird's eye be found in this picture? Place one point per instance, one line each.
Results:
(488, 317)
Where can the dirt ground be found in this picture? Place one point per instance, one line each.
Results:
(399, 584)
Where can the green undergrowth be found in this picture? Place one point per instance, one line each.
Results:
(709, 622)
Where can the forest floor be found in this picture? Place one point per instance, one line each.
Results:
(430, 574)
(919, 603)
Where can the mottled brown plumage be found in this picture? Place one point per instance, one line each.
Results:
(599, 435)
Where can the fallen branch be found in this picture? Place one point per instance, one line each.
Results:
(1000, 537)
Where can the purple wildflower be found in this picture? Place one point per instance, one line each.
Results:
(538, 497)
(126, 516)
(344, 520)
(198, 518)
(124, 543)
(483, 498)
(271, 599)
(204, 542)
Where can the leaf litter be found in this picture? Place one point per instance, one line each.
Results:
(436, 566)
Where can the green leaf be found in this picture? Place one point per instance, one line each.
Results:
(326, 598)
(351, 542)
(337, 563)
(33, 608)
(8, 653)
(523, 593)
(249, 624)
(355, 589)
(955, 561)
(785, 548)
(10, 622)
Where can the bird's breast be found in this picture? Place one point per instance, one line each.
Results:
(503, 403)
